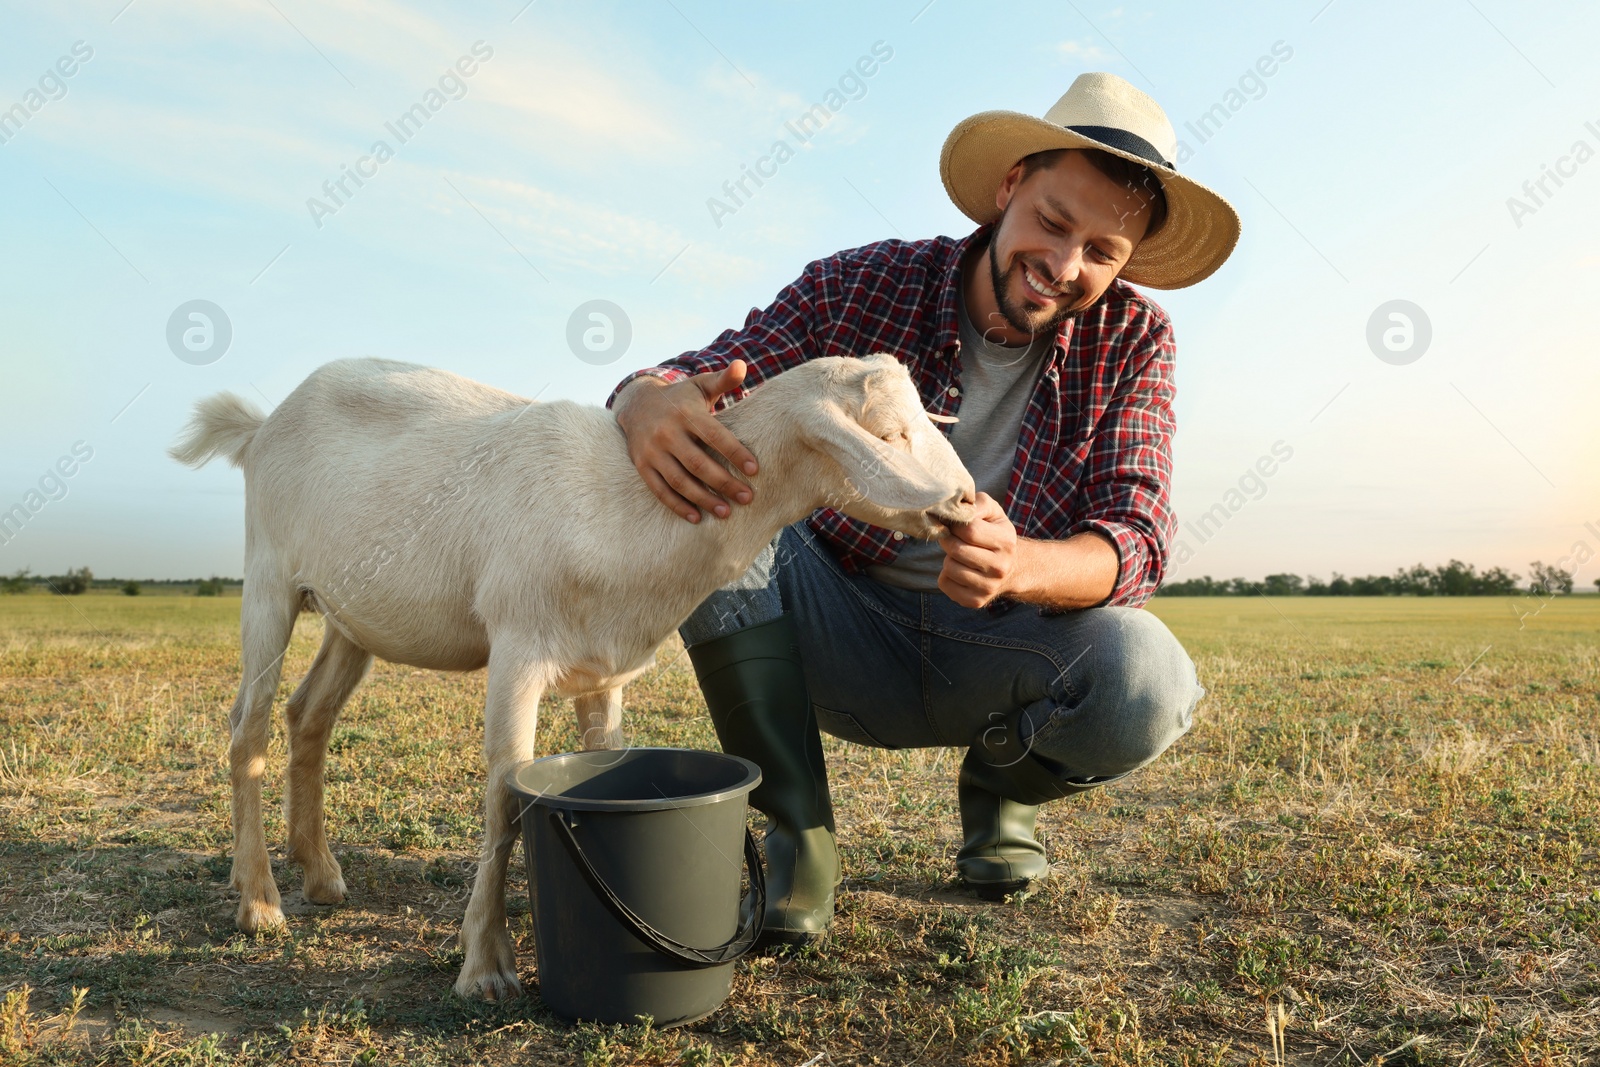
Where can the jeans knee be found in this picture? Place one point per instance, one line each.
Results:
(1153, 688)
(1132, 697)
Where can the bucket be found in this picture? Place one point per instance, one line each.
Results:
(634, 859)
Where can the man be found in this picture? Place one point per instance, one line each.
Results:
(1017, 635)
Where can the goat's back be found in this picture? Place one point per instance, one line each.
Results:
(407, 498)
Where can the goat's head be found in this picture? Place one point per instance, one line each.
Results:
(898, 469)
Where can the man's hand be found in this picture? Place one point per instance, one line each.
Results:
(669, 429)
(986, 559)
(981, 557)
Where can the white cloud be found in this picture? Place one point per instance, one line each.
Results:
(579, 236)
(235, 158)
(188, 86)
(569, 97)
(1079, 51)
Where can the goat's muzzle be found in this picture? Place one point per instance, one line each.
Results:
(957, 510)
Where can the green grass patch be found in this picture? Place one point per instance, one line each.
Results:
(1385, 823)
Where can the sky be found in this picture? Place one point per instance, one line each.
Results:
(1395, 153)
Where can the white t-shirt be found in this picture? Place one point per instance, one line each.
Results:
(997, 381)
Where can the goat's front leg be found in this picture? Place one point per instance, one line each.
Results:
(600, 719)
(517, 679)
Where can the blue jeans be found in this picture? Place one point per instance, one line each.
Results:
(1100, 692)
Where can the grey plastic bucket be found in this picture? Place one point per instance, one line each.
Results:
(634, 860)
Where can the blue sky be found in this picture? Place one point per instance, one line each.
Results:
(575, 163)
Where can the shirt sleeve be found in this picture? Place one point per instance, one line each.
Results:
(770, 342)
(1125, 495)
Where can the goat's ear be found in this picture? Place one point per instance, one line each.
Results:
(886, 476)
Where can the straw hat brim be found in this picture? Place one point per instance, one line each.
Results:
(1201, 229)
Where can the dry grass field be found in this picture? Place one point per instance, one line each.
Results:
(1380, 843)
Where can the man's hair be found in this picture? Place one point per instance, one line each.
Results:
(1136, 177)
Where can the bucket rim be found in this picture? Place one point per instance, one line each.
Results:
(751, 779)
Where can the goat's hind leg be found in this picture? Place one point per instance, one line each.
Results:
(266, 622)
(600, 719)
(338, 669)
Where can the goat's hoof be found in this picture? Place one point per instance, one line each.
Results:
(257, 916)
(490, 972)
(324, 881)
(325, 890)
(493, 985)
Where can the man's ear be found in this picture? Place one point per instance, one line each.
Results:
(1008, 186)
(886, 476)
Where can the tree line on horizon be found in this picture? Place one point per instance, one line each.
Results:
(79, 580)
(1450, 579)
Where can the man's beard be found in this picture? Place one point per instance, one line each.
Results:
(1020, 317)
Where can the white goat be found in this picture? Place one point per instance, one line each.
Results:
(445, 524)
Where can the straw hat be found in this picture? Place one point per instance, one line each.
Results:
(1099, 111)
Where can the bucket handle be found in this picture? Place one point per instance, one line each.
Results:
(753, 907)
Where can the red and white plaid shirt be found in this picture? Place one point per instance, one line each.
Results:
(1095, 450)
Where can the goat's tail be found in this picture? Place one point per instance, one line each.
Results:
(223, 425)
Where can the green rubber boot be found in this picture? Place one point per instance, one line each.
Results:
(755, 689)
(998, 852)
(1000, 789)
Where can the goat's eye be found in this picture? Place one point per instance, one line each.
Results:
(898, 437)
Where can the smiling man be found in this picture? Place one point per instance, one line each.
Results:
(1018, 636)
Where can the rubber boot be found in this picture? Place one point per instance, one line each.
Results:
(755, 689)
(998, 853)
(1001, 786)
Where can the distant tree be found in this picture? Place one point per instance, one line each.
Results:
(19, 582)
(209, 587)
(1373, 585)
(1205, 586)
(1454, 578)
(131, 588)
(1546, 580)
(1416, 580)
(73, 583)
(1496, 582)
(1282, 585)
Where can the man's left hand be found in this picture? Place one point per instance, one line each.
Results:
(980, 557)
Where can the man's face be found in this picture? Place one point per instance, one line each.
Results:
(1062, 236)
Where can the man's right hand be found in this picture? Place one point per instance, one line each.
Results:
(670, 427)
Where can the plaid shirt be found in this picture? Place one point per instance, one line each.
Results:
(1094, 452)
